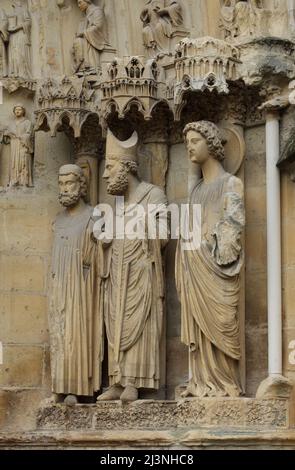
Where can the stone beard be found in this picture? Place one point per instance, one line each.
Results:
(74, 313)
(134, 288)
(207, 277)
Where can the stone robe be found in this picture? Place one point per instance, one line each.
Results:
(3, 39)
(208, 284)
(134, 304)
(21, 158)
(87, 49)
(19, 49)
(74, 311)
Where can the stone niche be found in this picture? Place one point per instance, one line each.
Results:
(150, 67)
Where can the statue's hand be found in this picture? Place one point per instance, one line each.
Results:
(15, 29)
(9, 134)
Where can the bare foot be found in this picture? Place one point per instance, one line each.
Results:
(113, 393)
(71, 400)
(130, 394)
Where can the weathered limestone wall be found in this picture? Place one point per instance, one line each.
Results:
(54, 27)
(25, 248)
(26, 216)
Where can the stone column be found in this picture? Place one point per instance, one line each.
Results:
(275, 385)
(291, 11)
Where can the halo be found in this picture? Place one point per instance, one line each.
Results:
(234, 147)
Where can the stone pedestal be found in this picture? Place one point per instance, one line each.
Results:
(245, 413)
(3, 407)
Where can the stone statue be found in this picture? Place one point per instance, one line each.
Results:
(134, 283)
(90, 38)
(242, 17)
(19, 48)
(20, 134)
(4, 37)
(207, 275)
(159, 23)
(74, 314)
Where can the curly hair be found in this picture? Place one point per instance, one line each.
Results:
(211, 133)
(132, 167)
(19, 106)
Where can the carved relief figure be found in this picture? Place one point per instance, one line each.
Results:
(207, 276)
(90, 38)
(22, 149)
(4, 37)
(242, 17)
(134, 283)
(74, 318)
(159, 22)
(19, 49)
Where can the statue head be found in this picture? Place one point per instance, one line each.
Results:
(84, 4)
(19, 110)
(203, 140)
(121, 161)
(72, 185)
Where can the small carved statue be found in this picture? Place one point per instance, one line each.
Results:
(4, 38)
(19, 48)
(90, 39)
(242, 17)
(74, 318)
(208, 275)
(20, 134)
(134, 285)
(159, 23)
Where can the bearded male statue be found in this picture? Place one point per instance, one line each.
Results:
(74, 320)
(134, 286)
